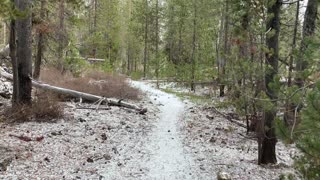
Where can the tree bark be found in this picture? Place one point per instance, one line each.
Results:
(145, 40)
(24, 52)
(157, 43)
(294, 40)
(268, 150)
(225, 48)
(61, 38)
(13, 53)
(40, 45)
(193, 60)
(309, 27)
(290, 109)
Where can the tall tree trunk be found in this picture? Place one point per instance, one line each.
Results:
(218, 47)
(145, 40)
(24, 52)
(61, 38)
(309, 26)
(193, 60)
(13, 56)
(157, 43)
(225, 48)
(129, 58)
(268, 146)
(244, 56)
(294, 42)
(289, 113)
(40, 45)
(95, 5)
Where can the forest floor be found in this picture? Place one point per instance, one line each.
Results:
(175, 139)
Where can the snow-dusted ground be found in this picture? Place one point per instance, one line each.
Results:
(173, 141)
(221, 146)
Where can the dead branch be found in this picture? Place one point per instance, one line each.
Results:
(229, 118)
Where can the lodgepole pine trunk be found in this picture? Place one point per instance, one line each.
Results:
(24, 52)
(268, 145)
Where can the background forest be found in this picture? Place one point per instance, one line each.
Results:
(262, 55)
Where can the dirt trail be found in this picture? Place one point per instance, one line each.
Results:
(168, 159)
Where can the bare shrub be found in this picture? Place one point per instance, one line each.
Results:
(93, 82)
(45, 108)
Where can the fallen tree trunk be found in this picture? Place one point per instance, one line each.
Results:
(85, 96)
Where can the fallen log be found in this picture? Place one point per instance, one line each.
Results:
(78, 94)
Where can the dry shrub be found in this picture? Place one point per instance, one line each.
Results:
(93, 82)
(45, 108)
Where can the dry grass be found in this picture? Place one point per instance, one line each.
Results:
(93, 82)
(45, 108)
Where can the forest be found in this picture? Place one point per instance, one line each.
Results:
(159, 89)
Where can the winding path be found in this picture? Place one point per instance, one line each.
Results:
(168, 160)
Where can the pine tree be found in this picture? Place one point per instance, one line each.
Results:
(308, 140)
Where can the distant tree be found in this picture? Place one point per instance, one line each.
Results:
(40, 44)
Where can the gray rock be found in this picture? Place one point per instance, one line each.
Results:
(4, 163)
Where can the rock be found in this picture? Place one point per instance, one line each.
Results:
(212, 140)
(82, 120)
(107, 157)
(90, 160)
(223, 176)
(47, 159)
(104, 136)
(223, 141)
(210, 117)
(56, 133)
(4, 163)
(115, 150)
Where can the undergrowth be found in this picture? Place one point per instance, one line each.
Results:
(93, 82)
(45, 107)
